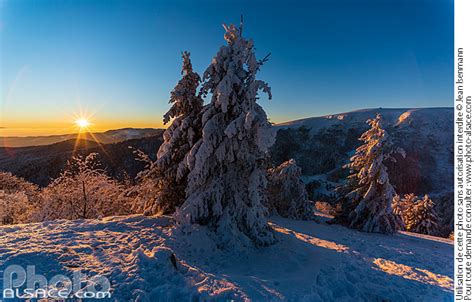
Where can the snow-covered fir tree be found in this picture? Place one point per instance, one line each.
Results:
(227, 180)
(403, 207)
(287, 194)
(166, 178)
(398, 208)
(409, 200)
(397, 205)
(422, 218)
(368, 205)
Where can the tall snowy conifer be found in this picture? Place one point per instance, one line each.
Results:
(169, 172)
(368, 205)
(287, 193)
(227, 180)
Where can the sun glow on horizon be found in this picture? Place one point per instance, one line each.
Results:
(82, 123)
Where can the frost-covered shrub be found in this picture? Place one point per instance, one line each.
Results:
(164, 182)
(14, 208)
(287, 194)
(18, 199)
(83, 191)
(10, 183)
(144, 192)
(368, 194)
(227, 180)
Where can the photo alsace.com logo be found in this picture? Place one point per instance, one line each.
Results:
(19, 283)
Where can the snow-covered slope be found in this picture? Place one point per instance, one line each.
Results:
(311, 262)
(392, 116)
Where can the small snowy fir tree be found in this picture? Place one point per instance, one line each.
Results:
(83, 191)
(422, 218)
(287, 194)
(403, 207)
(369, 202)
(227, 180)
(398, 208)
(168, 174)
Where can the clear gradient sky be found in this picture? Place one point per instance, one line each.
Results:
(118, 60)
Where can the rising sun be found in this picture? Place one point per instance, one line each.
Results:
(82, 123)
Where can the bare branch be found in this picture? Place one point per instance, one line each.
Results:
(265, 59)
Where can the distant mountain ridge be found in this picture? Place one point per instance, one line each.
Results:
(40, 164)
(107, 137)
(390, 115)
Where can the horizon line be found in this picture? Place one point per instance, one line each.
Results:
(273, 123)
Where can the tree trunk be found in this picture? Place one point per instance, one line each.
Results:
(84, 210)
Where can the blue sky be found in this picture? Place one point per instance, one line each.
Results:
(120, 59)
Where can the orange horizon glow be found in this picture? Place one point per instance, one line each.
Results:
(97, 122)
(80, 121)
(83, 120)
(69, 128)
(70, 125)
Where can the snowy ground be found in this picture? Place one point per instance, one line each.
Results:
(311, 262)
